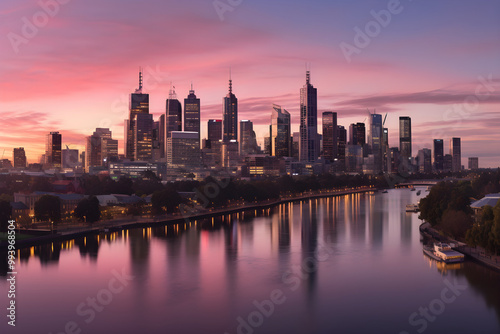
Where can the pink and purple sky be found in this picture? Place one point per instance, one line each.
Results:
(75, 71)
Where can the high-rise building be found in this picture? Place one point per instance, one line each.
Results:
(357, 134)
(424, 160)
(230, 115)
(53, 154)
(405, 138)
(375, 142)
(309, 139)
(183, 151)
(447, 162)
(143, 137)
(438, 155)
(214, 131)
(247, 140)
(19, 158)
(173, 118)
(330, 136)
(341, 144)
(139, 105)
(281, 145)
(456, 154)
(192, 113)
(473, 163)
(100, 149)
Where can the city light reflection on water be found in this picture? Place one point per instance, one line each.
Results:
(366, 273)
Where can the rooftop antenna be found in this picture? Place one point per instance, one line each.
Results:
(230, 81)
(171, 93)
(139, 90)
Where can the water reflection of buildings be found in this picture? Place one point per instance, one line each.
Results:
(376, 207)
(309, 237)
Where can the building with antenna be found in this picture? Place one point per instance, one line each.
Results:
(281, 136)
(230, 114)
(136, 148)
(309, 139)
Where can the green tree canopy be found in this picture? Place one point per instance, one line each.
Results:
(48, 207)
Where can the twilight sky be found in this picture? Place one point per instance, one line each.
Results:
(436, 61)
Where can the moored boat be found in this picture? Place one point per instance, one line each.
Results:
(443, 252)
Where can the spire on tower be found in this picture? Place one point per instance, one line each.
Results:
(140, 78)
(308, 77)
(230, 82)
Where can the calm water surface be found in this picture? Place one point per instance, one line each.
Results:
(350, 264)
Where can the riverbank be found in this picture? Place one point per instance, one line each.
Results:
(476, 254)
(74, 231)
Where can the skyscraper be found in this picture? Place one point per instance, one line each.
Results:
(183, 151)
(139, 104)
(424, 161)
(247, 140)
(341, 144)
(456, 154)
(473, 163)
(192, 113)
(405, 138)
(281, 143)
(357, 134)
(437, 157)
(375, 140)
(143, 137)
(173, 116)
(100, 149)
(230, 115)
(214, 129)
(53, 154)
(309, 139)
(330, 136)
(19, 158)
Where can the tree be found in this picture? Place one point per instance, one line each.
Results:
(88, 209)
(166, 200)
(5, 214)
(48, 207)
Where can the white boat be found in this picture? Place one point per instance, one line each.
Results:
(443, 252)
(412, 208)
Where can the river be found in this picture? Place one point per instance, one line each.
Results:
(346, 264)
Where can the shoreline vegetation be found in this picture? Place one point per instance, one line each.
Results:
(447, 214)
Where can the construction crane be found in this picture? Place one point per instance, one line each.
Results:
(385, 118)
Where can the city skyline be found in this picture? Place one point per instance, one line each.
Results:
(375, 78)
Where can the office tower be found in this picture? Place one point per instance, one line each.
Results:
(386, 154)
(341, 142)
(330, 136)
(230, 154)
(183, 151)
(405, 138)
(353, 158)
(161, 135)
(447, 163)
(247, 140)
(214, 130)
(394, 157)
(375, 142)
(280, 132)
(19, 157)
(267, 146)
(82, 159)
(139, 105)
(437, 157)
(230, 115)
(456, 154)
(357, 134)
(156, 153)
(53, 154)
(69, 158)
(192, 113)
(473, 163)
(296, 145)
(143, 137)
(173, 118)
(309, 140)
(100, 149)
(424, 161)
